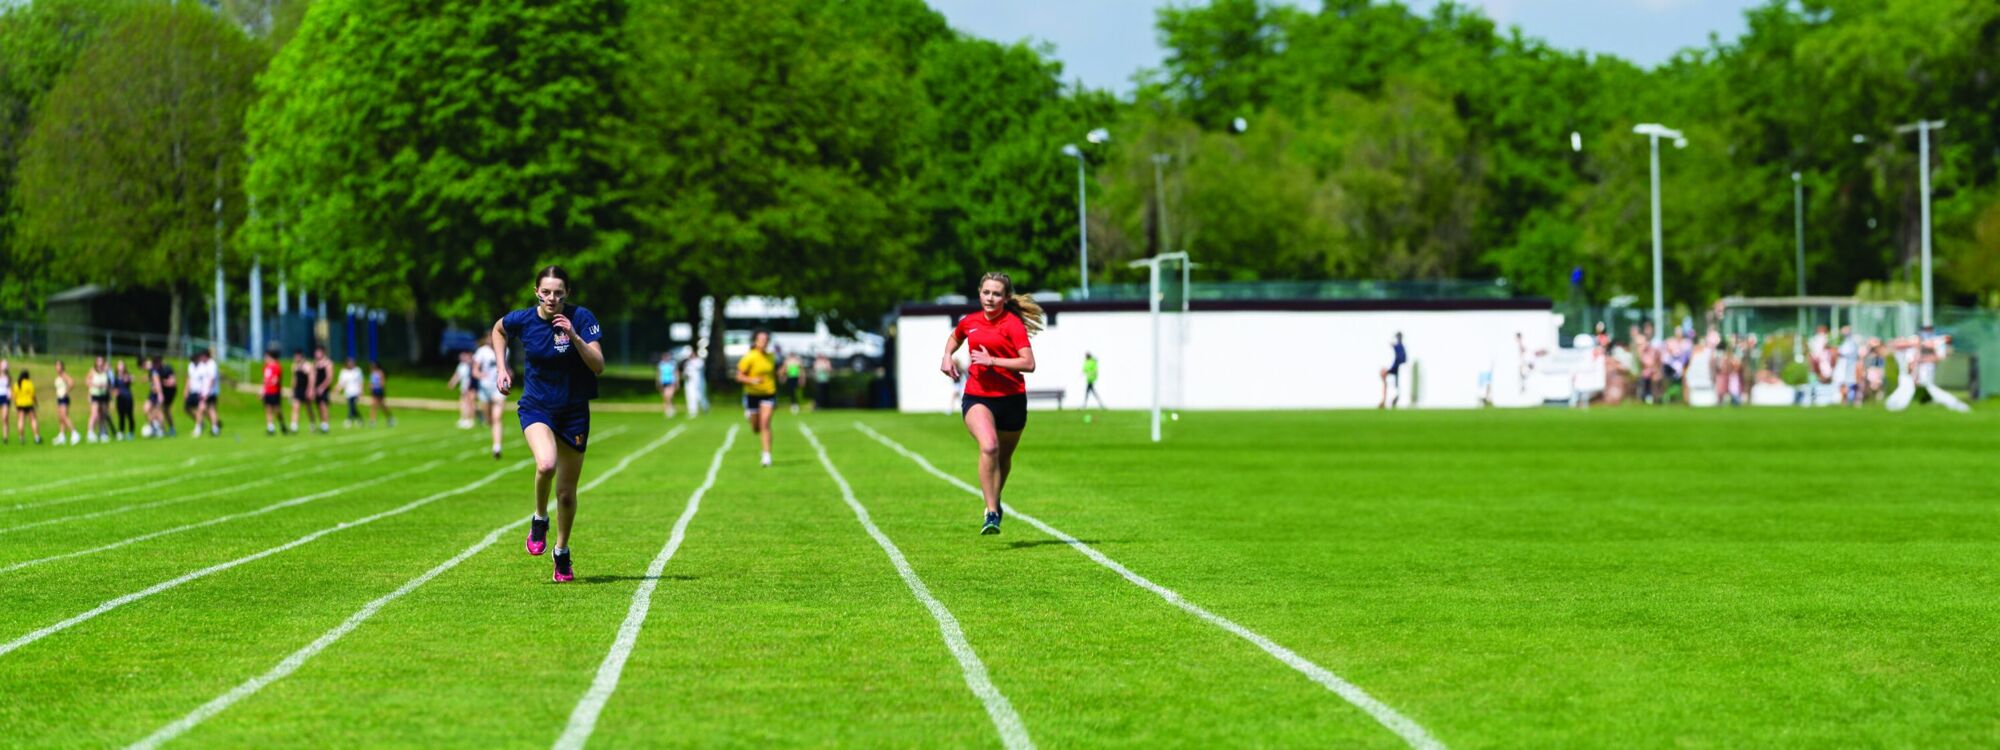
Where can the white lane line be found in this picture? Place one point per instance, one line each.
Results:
(371, 458)
(583, 719)
(183, 499)
(1411, 732)
(89, 477)
(13, 645)
(298, 658)
(1013, 734)
(248, 463)
(280, 505)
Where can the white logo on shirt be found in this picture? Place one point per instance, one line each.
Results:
(593, 329)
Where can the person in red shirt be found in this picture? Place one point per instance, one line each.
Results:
(995, 406)
(273, 381)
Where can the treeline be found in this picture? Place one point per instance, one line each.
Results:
(424, 157)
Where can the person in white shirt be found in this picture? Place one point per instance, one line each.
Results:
(461, 379)
(350, 388)
(204, 390)
(695, 382)
(484, 367)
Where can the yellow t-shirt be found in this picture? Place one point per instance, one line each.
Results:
(24, 393)
(757, 365)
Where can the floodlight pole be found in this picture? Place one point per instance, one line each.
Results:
(1799, 234)
(1082, 226)
(1160, 198)
(1924, 128)
(1654, 132)
(221, 345)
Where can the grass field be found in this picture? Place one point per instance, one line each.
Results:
(1615, 578)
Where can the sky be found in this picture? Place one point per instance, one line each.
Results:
(1103, 42)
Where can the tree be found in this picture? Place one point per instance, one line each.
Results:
(425, 157)
(38, 43)
(133, 148)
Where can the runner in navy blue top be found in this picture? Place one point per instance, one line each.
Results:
(1393, 372)
(564, 360)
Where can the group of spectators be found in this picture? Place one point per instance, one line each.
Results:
(109, 391)
(313, 384)
(1844, 369)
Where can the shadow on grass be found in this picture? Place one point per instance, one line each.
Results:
(616, 579)
(1058, 542)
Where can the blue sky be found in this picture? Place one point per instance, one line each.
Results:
(1104, 41)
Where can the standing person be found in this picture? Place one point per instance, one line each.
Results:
(1394, 371)
(99, 382)
(24, 409)
(461, 380)
(760, 388)
(121, 391)
(274, 386)
(65, 429)
(995, 406)
(794, 378)
(378, 394)
(822, 380)
(147, 367)
(694, 376)
(305, 385)
(197, 393)
(667, 382)
(1846, 367)
(1090, 381)
(485, 368)
(560, 341)
(350, 388)
(322, 389)
(211, 393)
(167, 387)
(6, 403)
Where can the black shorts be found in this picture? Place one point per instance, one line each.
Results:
(751, 403)
(30, 409)
(323, 398)
(171, 392)
(104, 400)
(64, 401)
(1010, 413)
(301, 394)
(272, 399)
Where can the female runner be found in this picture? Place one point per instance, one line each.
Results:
(564, 360)
(995, 406)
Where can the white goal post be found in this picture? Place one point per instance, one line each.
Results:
(1169, 327)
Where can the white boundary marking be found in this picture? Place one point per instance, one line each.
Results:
(280, 505)
(583, 719)
(298, 658)
(247, 462)
(371, 458)
(1013, 734)
(74, 620)
(1411, 733)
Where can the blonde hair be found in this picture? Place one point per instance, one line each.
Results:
(1020, 305)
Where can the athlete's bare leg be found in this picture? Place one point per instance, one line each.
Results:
(569, 466)
(979, 422)
(542, 443)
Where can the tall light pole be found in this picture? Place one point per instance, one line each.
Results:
(1654, 132)
(1799, 235)
(1098, 135)
(1924, 128)
(1160, 198)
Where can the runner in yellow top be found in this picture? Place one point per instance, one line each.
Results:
(758, 374)
(24, 409)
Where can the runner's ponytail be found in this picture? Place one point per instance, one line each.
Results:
(1021, 305)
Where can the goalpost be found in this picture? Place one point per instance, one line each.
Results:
(1167, 306)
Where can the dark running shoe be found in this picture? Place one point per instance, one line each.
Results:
(538, 535)
(992, 524)
(563, 573)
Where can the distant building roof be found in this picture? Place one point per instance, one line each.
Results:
(77, 294)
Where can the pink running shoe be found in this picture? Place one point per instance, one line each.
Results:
(563, 572)
(538, 535)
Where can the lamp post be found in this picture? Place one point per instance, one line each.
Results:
(1654, 132)
(1098, 135)
(1799, 241)
(1924, 128)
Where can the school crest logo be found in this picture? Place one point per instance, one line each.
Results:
(562, 342)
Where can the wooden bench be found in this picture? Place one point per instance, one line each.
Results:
(1052, 394)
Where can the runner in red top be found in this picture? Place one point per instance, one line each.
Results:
(995, 406)
(273, 383)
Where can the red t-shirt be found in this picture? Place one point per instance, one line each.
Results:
(1004, 338)
(273, 377)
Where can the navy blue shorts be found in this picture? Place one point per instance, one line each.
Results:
(571, 425)
(751, 403)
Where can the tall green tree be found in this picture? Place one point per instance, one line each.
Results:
(134, 148)
(426, 156)
(39, 42)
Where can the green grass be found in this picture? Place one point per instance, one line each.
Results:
(1613, 578)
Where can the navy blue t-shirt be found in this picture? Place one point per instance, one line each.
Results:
(557, 377)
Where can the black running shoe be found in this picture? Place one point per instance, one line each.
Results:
(563, 574)
(992, 524)
(538, 535)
